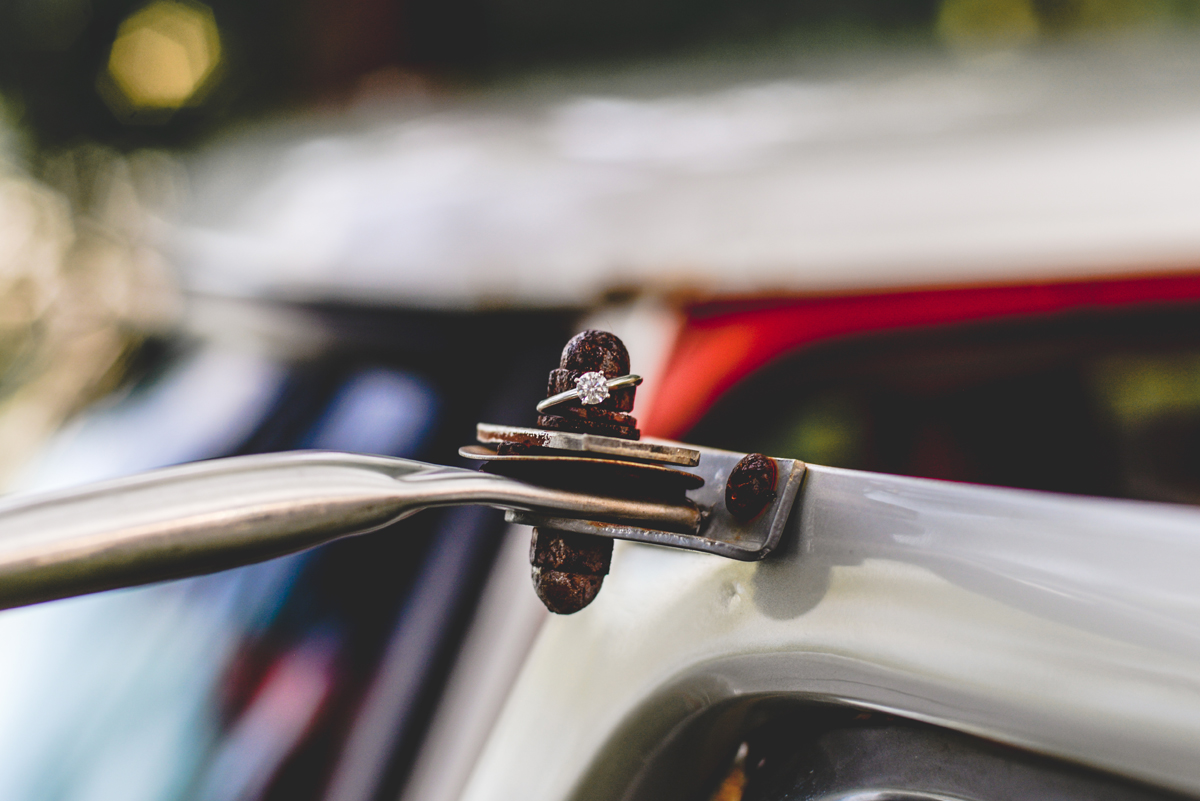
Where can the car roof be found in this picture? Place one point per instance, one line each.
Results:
(784, 174)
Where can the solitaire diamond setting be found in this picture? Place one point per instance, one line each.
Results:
(592, 388)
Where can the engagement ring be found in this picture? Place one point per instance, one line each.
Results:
(590, 389)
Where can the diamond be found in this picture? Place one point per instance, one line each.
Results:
(592, 388)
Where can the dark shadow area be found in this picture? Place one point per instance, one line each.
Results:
(784, 749)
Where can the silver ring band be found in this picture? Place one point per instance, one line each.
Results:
(590, 388)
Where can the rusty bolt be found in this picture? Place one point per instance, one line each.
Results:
(751, 487)
(568, 569)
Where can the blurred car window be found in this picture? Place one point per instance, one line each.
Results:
(249, 683)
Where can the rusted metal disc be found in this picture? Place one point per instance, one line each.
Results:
(595, 474)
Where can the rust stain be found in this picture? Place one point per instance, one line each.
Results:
(733, 786)
(524, 438)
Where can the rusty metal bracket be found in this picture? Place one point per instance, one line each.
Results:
(718, 533)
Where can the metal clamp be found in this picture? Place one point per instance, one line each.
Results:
(718, 532)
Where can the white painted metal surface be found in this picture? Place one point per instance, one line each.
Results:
(1067, 625)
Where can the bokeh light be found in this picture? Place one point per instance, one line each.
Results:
(987, 23)
(163, 56)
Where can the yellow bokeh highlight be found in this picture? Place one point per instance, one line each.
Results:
(987, 23)
(164, 54)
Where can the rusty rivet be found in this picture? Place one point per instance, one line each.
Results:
(751, 486)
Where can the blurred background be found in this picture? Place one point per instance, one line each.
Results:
(947, 238)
